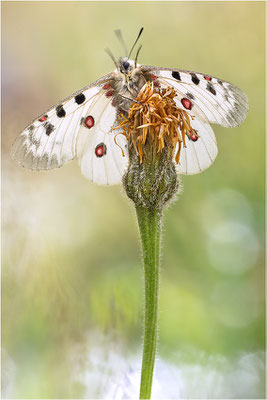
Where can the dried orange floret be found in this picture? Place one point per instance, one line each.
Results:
(154, 116)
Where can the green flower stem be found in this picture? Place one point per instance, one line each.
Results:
(150, 185)
(149, 220)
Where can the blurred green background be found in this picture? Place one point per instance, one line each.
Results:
(71, 252)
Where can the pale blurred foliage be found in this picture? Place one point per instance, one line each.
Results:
(71, 261)
(108, 370)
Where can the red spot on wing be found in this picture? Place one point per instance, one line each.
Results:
(106, 86)
(186, 103)
(194, 137)
(109, 93)
(208, 78)
(153, 76)
(100, 150)
(89, 122)
(42, 119)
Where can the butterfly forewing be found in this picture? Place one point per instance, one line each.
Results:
(221, 102)
(207, 100)
(50, 141)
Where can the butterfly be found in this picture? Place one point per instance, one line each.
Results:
(82, 125)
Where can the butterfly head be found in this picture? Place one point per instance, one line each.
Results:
(125, 65)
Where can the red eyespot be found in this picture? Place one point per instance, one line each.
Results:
(89, 122)
(42, 119)
(194, 137)
(186, 103)
(153, 76)
(109, 93)
(208, 78)
(100, 150)
(106, 86)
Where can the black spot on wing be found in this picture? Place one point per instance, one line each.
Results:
(195, 79)
(60, 111)
(176, 75)
(48, 128)
(190, 96)
(80, 98)
(211, 89)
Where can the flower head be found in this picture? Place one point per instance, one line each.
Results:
(155, 129)
(155, 122)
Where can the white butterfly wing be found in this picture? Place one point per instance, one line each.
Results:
(81, 126)
(100, 157)
(207, 100)
(222, 102)
(198, 155)
(50, 140)
(61, 134)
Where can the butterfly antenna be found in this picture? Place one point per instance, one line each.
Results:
(136, 40)
(111, 56)
(121, 40)
(137, 53)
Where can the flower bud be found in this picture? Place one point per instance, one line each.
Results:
(153, 182)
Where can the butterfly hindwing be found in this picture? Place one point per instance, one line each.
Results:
(99, 153)
(198, 155)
